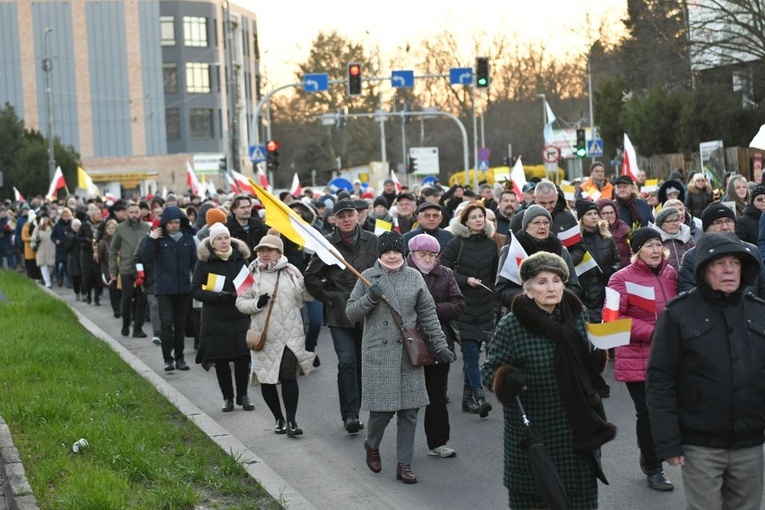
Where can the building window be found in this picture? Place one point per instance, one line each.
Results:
(195, 31)
(170, 75)
(173, 123)
(167, 30)
(197, 78)
(201, 122)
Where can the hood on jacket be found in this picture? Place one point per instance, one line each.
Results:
(459, 230)
(714, 245)
(204, 250)
(304, 211)
(662, 194)
(684, 237)
(174, 212)
(693, 190)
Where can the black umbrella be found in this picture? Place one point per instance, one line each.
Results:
(543, 470)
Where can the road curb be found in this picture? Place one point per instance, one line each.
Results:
(17, 492)
(271, 481)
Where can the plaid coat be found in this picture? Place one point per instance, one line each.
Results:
(533, 355)
(389, 381)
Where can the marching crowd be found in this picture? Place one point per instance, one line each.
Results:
(433, 258)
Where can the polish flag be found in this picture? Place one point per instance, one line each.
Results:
(56, 184)
(396, 227)
(243, 183)
(232, 184)
(399, 187)
(18, 196)
(629, 166)
(518, 177)
(192, 181)
(515, 255)
(571, 236)
(642, 296)
(611, 307)
(262, 179)
(296, 189)
(243, 281)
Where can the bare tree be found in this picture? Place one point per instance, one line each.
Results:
(727, 31)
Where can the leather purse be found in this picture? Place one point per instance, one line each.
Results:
(256, 339)
(416, 344)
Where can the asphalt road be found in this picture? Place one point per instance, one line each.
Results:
(326, 465)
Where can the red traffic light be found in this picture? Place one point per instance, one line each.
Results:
(272, 146)
(354, 69)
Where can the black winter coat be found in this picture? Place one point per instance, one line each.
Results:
(223, 327)
(748, 225)
(478, 259)
(86, 239)
(562, 218)
(58, 236)
(173, 260)
(251, 237)
(332, 285)
(594, 281)
(449, 299)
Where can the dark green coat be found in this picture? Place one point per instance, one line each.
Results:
(533, 355)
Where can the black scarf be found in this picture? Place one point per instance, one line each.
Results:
(630, 204)
(579, 383)
(531, 245)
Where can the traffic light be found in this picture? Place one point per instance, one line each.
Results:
(411, 166)
(481, 72)
(581, 144)
(354, 79)
(222, 166)
(272, 155)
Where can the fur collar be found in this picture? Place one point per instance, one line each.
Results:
(460, 230)
(204, 250)
(530, 323)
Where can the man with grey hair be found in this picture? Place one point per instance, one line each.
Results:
(548, 196)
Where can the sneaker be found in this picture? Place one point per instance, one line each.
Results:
(138, 333)
(155, 340)
(169, 366)
(442, 451)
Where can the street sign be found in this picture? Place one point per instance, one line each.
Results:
(483, 164)
(595, 148)
(461, 76)
(402, 79)
(550, 154)
(207, 163)
(483, 154)
(427, 160)
(316, 82)
(257, 153)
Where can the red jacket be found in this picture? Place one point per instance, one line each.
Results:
(631, 360)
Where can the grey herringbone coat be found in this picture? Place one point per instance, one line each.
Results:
(389, 382)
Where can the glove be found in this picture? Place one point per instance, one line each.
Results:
(262, 300)
(375, 293)
(447, 356)
(226, 297)
(508, 383)
(140, 276)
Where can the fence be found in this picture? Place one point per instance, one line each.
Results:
(738, 159)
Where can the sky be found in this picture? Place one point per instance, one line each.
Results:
(287, 29)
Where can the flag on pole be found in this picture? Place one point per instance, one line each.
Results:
(511, 266)
(263, 180)
(243, 183)
(192, 181)
(164, 192)
(571, 236)
(399, 187)
(650, 185)
(569, 191)
(758, 142)
(518, 177)
(611, 308)
(296, 189)
(243, 281)
(548, 131)
(610, 334)
(642, 296)
(232, 184)
(215, 282)
(382, 226)
(294, 228)
(629, 165)
(211, 191)
(586, 264)
(396, 227)
(85, 182)
(18, 196)
(56, 184)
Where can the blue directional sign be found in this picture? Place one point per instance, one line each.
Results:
(483, 165)
(402, 79)
(595, 148)
(461, 76)
(316, 82)
(257, 153)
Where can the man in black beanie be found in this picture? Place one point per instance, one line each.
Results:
(717, 217)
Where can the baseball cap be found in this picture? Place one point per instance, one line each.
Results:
(428, 205)
(528, 187)
(343, 205)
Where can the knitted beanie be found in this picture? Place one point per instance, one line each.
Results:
(664, 215)
(424, 242)
(756, 191)
(391, 241)
(641, 236)
(218, 229)
(584, 206)
(380, 201)
(714, 212)
(214, 215)
(543, 261)
(532, 212)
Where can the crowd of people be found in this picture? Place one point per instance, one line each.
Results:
(433, 258)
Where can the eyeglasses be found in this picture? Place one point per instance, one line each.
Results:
(538, 224)
(608, 213)
(723, 221)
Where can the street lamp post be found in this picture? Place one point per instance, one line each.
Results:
(589, 93)
(47, 66)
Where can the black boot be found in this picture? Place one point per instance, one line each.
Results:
(483, 406)
(469, 404)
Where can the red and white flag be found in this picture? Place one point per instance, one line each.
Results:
(399, 187)
(192, 181)
(296, 189)
(642, 296)
(611, 307)
(56, 184)
(243, 183)
(518, 177)
(571, 236)
(262, 179)
(515, 255)
(18, 196)
(243, 281)
(629, 165)
(232, 184)
(396, 227)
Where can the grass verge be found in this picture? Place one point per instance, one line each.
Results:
(58, 384)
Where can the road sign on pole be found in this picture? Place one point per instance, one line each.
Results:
(257, 153)
(595, 148)
(316, 82)
(483, 154)
(461, 76)
(551, 154)
(402, 79)
(483, 164)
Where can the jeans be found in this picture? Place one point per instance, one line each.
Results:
(7, 253)
(314, 311)
(173, 309)
(643, 425)
(62, 273)
(129, 293)
(471, 352)
(156, 326)
(347, 343)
